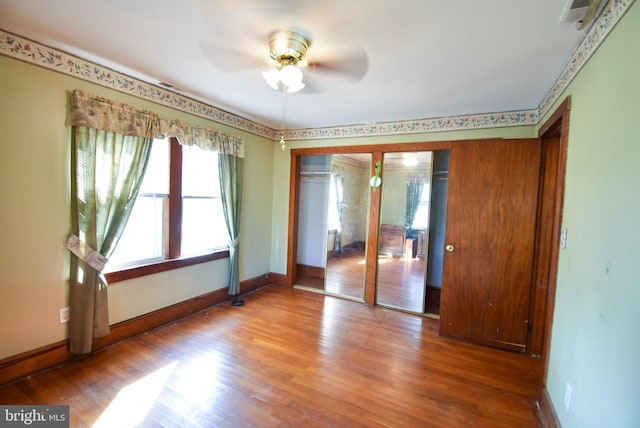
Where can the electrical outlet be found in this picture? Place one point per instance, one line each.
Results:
(567, 396)
(64, 315)
(563, 238)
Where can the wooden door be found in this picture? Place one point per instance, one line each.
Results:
(491, 216)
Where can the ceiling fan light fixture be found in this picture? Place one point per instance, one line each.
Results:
(272, 77)
(291, 77)
(410, 160)
(286, 50)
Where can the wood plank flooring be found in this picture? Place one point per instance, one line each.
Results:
(291, 358)
(345, 273)
(400, 281)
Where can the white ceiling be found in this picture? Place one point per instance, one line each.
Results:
(426, 58)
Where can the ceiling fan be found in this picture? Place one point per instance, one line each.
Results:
(288, 54)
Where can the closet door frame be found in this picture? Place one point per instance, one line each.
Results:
(542, 301)
(376, 152)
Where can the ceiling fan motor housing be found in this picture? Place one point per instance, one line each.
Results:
(287, 48)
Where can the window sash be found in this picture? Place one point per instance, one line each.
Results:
(140, 230)
(172, 226)
(197, 222)
(421, 220)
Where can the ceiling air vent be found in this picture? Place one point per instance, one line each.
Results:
(170, 86)
(581, 12)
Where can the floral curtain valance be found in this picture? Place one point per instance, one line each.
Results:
(100, 113)
(204, 138)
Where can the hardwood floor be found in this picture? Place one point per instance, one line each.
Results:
(400, 281)
(291, 358)
(401, 284)
(345, 273)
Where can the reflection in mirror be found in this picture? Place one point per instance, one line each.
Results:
(347, 224)
(312, 220)
(404, 231)
(333, 206)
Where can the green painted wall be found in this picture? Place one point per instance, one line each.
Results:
(34, 215)
(596, 338)
(394, 199)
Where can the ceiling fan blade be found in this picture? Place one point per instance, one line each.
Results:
(352, 66)
(238, 34)
(313, 86)
(238, 37)
(230, 60)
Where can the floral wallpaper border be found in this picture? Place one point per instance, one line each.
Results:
(477, 121)
(35, 53)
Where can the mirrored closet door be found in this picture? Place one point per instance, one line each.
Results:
(337, 213)
(333, 206)
(404, 231)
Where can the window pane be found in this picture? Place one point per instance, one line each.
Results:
(203, 226)
(156, 177)
(142, 239)
(199, 172)
(143, 235)
(421, 220)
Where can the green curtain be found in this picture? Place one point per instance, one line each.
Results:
(231, 171)
(110, 148)
(111, 145)
(414, 193)
(107, 170)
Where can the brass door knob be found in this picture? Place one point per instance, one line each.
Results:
(450, 248)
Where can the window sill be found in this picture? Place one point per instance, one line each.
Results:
(163, 266)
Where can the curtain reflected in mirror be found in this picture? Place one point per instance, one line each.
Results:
(332, 223)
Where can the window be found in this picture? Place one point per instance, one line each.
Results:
(142, 240)
(203, 226)
(421, 220)
(178, 212)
